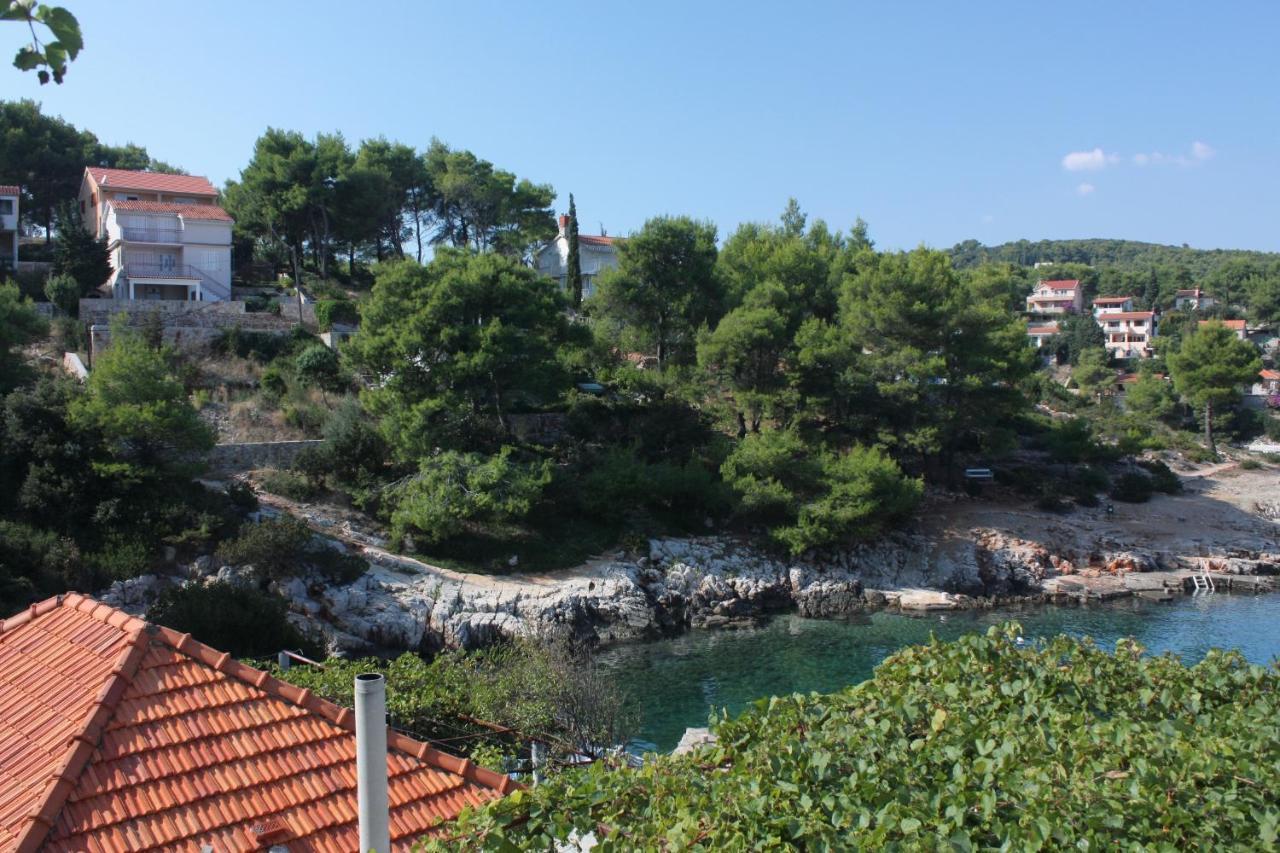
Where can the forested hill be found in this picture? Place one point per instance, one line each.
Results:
(1121, 254)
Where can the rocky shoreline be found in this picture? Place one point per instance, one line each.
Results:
(706, 583)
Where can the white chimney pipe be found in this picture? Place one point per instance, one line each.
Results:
(371, 762)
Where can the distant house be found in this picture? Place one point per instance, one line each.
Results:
(1268, 384)
(1037, 334)
(1128, 333)
(1237, 326)
(120, 735)
(9, 227)
(1064, 296)
(1194, 298)
(595, 254)
(167, 235)
(1112, 305)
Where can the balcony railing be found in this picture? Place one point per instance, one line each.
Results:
(152, 235)
(138, 270)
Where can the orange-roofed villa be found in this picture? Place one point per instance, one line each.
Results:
(167, 236)
(1236, 326)
(116, 735)
(1063, 296)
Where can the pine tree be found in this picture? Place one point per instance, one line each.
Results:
(574, 266)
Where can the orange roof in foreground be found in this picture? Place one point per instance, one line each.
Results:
(120, 735)
(128, 179)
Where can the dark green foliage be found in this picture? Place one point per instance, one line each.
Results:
(617, 484)
(36, 562)
(19, 325)
(242, 621)
(1123, 254)
(272, 381)
(331, 311)
(573, 267)
(1162, 478)
(1132, 487)
(64, 292)
(1208, 369)
(353, 456)
(78, 253)
(285, 547)
(317, 366)
(954, 746)
(1076, 334)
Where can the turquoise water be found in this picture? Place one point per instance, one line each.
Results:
(676, 683)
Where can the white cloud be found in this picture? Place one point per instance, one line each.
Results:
(1085, 189)
(1088, 161)
(1200, 151)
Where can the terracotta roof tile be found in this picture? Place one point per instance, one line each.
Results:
(206, 212)
(1061, 283)
(1234, 325)
(115, 734)
(10, 189)
(125, 179)
(594, 240)
(1116, 316)
(1111, 300)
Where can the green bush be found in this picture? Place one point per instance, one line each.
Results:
(981, 743)
(294, 485)
(1250, 464)
(243, 621)
(1162, 477)
(317, 366)
(331, 311)
(1132, 487)
(285, 547)
(617, 483)
(272, 381)
(64, 292)
(453, 490)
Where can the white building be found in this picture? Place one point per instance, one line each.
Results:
(1039, 333)
(595, 254)
(1112, 305)
(9, 228)
(1064, 296)
(1194, 299)
(167, 235)
(1128, 333)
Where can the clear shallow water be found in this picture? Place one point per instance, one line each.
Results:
(676, 683)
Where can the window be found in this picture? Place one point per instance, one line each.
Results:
(6, 206)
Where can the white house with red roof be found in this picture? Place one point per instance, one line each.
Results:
(1112, 305)
(9, 197)
(1192, 298)
(1062, 296)
(1128, 333)
(595, 253)
(168, 236)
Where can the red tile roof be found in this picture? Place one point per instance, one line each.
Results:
(592, 240)
(119, 735)
(1127, 315)
(1062, 283)
(10, 189)
(1050, 329)
(1234, 325)
(1195, 292)
(186, 211)
(1111, 300)
(1270, 374)
(124, 179)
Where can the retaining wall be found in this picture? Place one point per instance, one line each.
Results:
(245, 456)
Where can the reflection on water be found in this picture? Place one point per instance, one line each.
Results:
(675, 683)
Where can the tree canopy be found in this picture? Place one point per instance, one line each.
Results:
(1209, 369)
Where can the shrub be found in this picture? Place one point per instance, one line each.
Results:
(452, 490)
(331, 311)
(317, 366)
(1162, 477)
(64, 292)
(296, 486)
(272, 381)
(1051, 501)
(1250, 464)
(1132, 487)
(929, 753)
(285, 547)
(617, 483)
(242, 621)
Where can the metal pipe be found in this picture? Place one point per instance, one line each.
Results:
(371, 762)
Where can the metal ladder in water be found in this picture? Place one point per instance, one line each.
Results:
(1203, 582)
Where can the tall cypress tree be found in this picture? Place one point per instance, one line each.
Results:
(574, 266)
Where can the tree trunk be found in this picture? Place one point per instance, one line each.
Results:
(1208, 427)
(742, 425)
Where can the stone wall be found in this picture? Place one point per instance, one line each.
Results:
(245, 456)
(187, 325)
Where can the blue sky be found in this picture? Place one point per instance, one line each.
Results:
(936, 122)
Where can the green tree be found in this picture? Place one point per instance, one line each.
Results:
(406, 207)
(132, 399)
(744, 355)
(1092, 374)
(64, 292)
(452, 490)
(79, 254)
(1209, 369)
(573, 267)
(1264, 298)
(317, 365)
(664, 289)
(43, 154)
(19, 326)
(1151, 398)
(242, 621)
(459, 343)
(48, 58)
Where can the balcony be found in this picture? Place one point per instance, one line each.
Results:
(162, 271)
(152, 235)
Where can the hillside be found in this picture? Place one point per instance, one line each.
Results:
(1120, 254)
